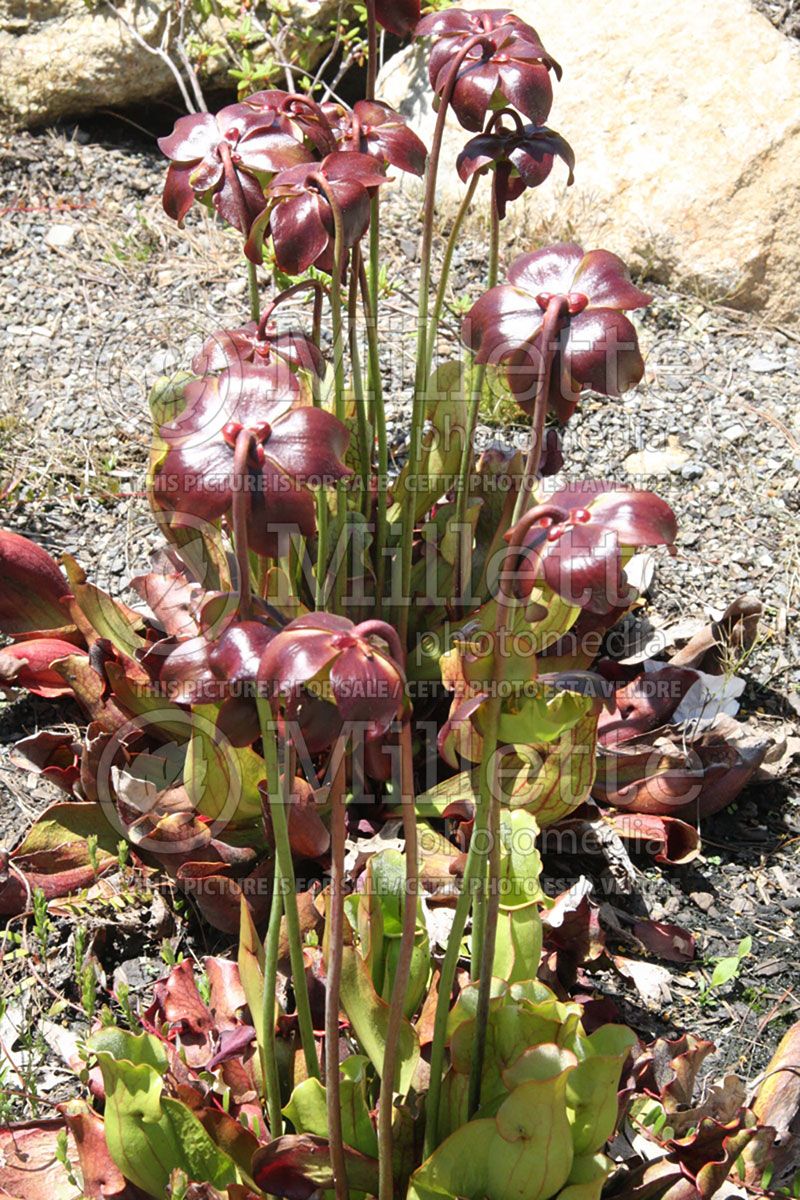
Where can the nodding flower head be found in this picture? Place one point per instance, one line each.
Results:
(506, 64)
(224, 159)
(597, 346)
(521, 157)
(374, 128)
(397, 16)
(581, 555)
(299, 214)
(292, 447)
(330, 658)
(259, 343)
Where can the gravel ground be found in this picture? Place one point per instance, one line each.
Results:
(101, 294)
(784, 15)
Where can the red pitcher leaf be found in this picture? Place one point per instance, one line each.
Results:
(227, 994)
(777, 1105)
(644, 704)
(730, 638)
(572, 932)
(101, 1177)
(173, 600)
(30, 1168)
(665, 774)
(32, 588)
(308, 834)
(666, 941)
(669, 840)
(180, 1004)
(51, 755)
(29, 665)
(296, 1166)
(218, 894)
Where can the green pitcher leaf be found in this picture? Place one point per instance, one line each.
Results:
(459, 1166)
(426, 478)
(251, 974)
(532, 1154)
(592, 1088)
(369, 1016)
(307, 1107)
(148, 1134)
(108, 618)
(222, 780)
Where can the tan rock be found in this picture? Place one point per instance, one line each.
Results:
(685, 120)
(66, 58)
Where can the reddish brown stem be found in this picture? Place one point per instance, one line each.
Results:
(554, 314)
(302, 286)
(239, 514)
(333, 982)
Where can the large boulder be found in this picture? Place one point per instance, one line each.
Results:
(685, 120)
(67, 58)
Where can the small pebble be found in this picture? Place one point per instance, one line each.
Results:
(703, 900)
(764, 365)
(58, 237)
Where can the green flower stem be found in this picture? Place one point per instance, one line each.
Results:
(485, 920)
(446, 982)
(339, 251)
(272, 1083)
(362, 424)
(423, 304)
(555, 313)
(408, 931)
(333, 981)
(278, 809)
(444, 278)
(379, 420)
(252, 286)
(374, 253)
(402, 972)
(462, 565)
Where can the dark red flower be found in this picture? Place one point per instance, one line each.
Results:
(397, 16)
(327, 656)
(294, 445)
(509, 65)
(258, 142)
(300, 217)
(376, 129)
(521, 158)
(580, 556)
(304, 114)
(597, 346)
(249, 344)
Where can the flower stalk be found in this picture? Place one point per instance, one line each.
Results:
(333, 980)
